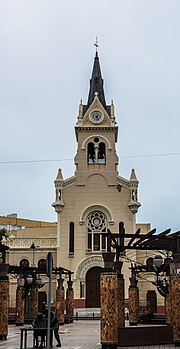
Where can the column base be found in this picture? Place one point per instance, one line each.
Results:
(109, 346)
(177, 343)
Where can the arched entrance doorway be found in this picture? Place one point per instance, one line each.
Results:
(93, 287)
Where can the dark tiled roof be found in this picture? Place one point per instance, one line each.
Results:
(96, 84)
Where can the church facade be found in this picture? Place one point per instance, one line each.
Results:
(95, 198)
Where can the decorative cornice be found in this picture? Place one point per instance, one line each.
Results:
(124, 182)
(27, 242)
(91, 128)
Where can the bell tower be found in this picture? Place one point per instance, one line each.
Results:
(96, 197)
(96, 133)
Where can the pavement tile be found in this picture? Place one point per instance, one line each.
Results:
(81, 334)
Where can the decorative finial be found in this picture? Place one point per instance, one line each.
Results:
(96, 44)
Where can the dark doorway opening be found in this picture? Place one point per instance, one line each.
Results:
(42, 298)
(93, 287)
(152, 301)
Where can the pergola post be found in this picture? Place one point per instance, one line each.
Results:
(34, 301)
(20, 302)
(133, 300)
(60, 300)
(120, 294)
(4, 300)
(175, 295)
(109, 304)
(70, 300)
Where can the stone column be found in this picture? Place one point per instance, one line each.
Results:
(34, 301)
(60, 301)
(20, 302)
(109, 309)
(4, 300)
(175, 294)
(133, 301)
(120, 294)
(70, 301)
(168, 306)
(175, 301)
(120, 301)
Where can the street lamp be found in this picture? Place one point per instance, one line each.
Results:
(157, 261)
(29, 279)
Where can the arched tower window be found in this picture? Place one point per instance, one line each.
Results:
(96, 224)
(91, 153)
(24, 263)
(71, 238)
(96, 152)
(101, 153)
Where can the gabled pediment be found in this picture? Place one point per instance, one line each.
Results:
(89, 118)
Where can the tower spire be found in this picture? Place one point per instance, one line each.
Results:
(96, 82)
(96, 44)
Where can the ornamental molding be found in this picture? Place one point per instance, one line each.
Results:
(124, 182)
(65, 183)
(96, 207)
(90, 138)
(27, 242)
(96, 127)
(86, 264)
(68, 182)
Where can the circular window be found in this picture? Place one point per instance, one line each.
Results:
(96, 221)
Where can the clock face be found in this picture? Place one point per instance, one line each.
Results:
(96, 116)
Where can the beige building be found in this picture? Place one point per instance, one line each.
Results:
(94, 199)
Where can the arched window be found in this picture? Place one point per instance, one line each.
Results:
(24, 263)
(96, 224)
(42, 265)
(101, 153)
(96, 152)
(149, 263)
(71, 238)
(91, 153)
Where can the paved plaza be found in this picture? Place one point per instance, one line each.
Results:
(81, 334)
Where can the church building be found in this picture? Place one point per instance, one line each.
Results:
(88, 204)
(95, 198)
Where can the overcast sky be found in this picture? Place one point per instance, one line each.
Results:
(46, 59)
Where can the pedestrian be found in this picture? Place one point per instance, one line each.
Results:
(54, 324)
(39, 322)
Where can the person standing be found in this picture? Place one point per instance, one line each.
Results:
(54, 324)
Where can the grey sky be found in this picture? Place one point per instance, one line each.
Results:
(46, 61)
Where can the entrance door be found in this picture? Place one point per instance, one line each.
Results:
(93, 287)
(152, 301)
(42, 298)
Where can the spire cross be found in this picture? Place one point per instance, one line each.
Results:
(96, 44)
